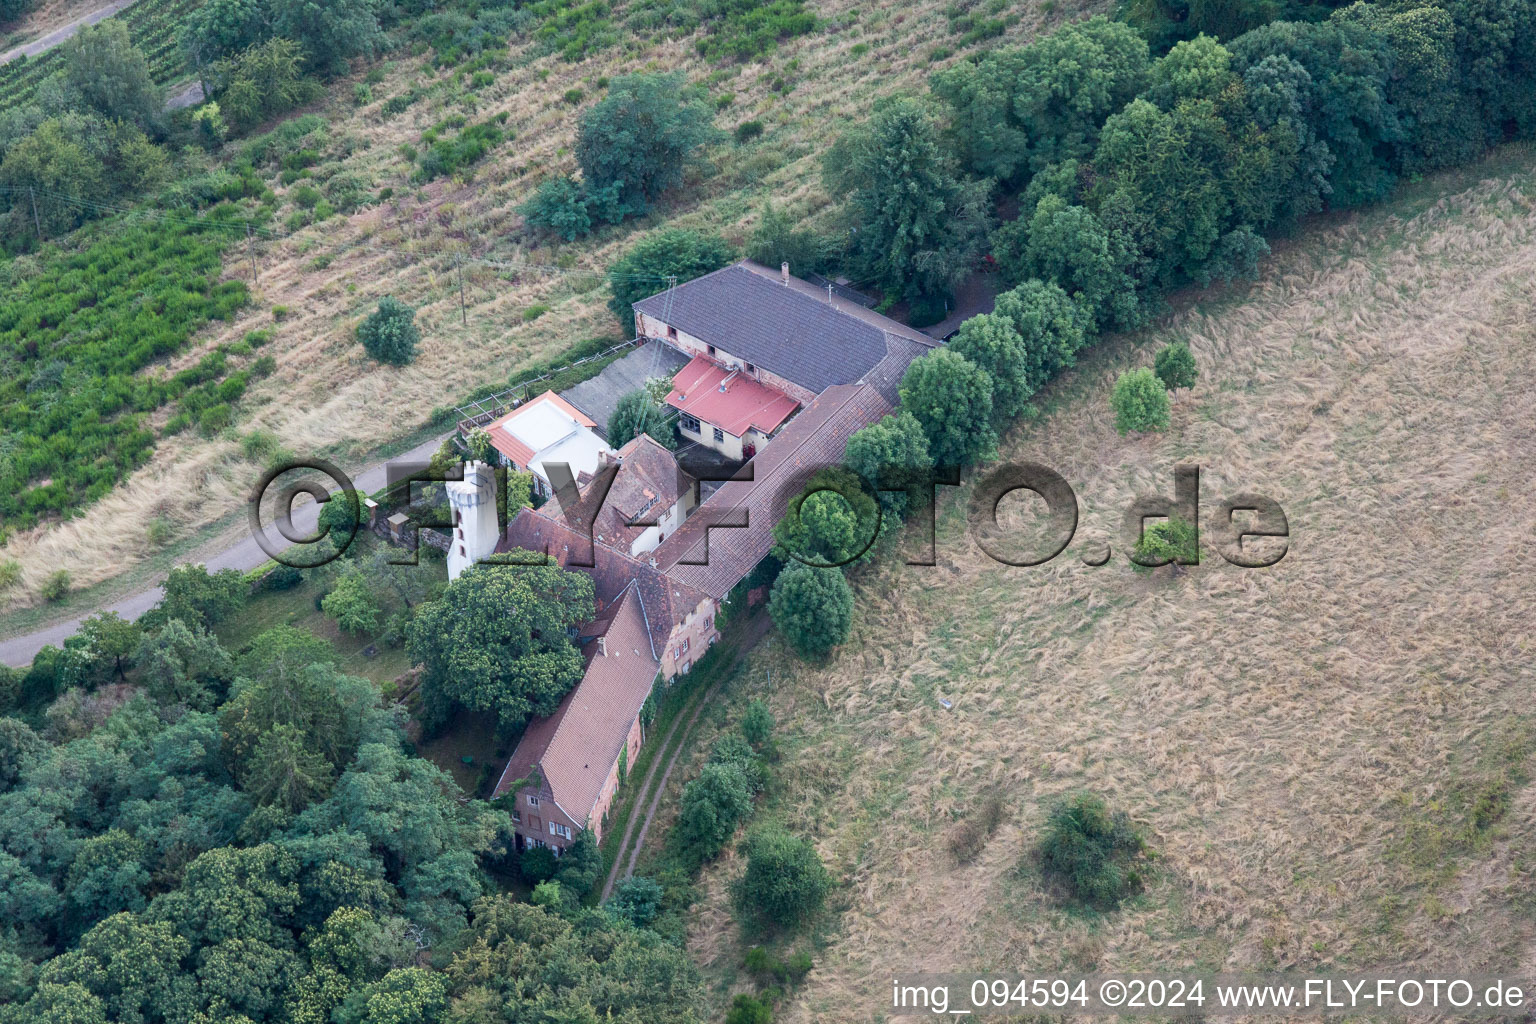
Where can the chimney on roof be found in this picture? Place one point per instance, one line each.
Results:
(784, 273)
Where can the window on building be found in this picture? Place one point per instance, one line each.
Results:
(688, 423)
(719, 436)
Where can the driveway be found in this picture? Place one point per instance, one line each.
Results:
(42, 44)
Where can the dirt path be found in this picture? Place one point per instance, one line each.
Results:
(758, 626)
(644, 821)
(46, 42)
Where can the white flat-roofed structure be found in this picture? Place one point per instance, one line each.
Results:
(545, 430)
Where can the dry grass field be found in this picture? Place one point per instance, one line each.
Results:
(327, 397)
(1331, 757)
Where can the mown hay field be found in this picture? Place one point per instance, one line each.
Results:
(327, 397)
(1330, 757)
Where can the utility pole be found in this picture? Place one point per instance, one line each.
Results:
(36, 221)
(463, 310)
(250, 250)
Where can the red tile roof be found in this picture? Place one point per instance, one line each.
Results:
(513, 447)
(811, 441)
(728, 399)
(667, 601)
(576, 748)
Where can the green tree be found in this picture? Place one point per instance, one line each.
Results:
(785, 883)
(777, 239)
(182, 664)
(1020, 109)
(497, 641)
(111, 75)
(284, 771)
(1070, 246)
(559, 205)
(636, 899)
(1344, 95)
(812, 607)
(200, 598)
(219, 28)
(581, 865)
(1140, 402)
(406, 995)
(1175, 366)
(642, 138)
(53, 158)
(635, 414)
(262, 82)
(111, 641)
(919, 224)
(521, 962)
(108, 875)
(133, 968)
(331, 32)
(990, 342)
(892, 456)
(1053, 326)
(390, 333)
(282, 651)
(749, 1009)
(352, 603)
(951, 398)
(712, 805)
(834, 521)
(646, 268)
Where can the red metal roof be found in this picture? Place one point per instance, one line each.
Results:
(728, 399)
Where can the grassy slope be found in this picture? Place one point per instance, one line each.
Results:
(327, 397)
(1330, 755)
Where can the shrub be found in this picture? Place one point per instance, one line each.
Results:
(757, 724)
(1093, 851)
(1140, 402)
(390, 334)
(812, 607)
(749, 1009)
(1173, 540)
(785, 883)
(57, 586)
(538, 864)
(1175, 366)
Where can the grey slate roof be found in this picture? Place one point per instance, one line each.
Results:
(790, 330)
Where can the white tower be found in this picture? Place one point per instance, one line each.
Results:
(475, 533)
